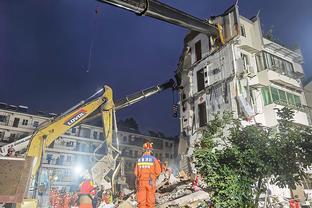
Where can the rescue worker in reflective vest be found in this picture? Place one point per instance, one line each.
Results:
(87, 192)
(146, 171)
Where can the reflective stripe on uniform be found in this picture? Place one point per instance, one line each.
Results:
(145, 163)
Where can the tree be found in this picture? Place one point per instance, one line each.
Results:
(157, 134)
(129, 124)
(236, 162)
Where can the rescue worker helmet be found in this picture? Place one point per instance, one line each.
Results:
(148, 146)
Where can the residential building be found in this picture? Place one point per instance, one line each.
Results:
(249, 75)
(74, 150)
(308, 96)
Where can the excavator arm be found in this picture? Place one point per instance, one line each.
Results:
(16, 172)
(46, 135)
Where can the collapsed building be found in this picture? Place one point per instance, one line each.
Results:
(250, 75)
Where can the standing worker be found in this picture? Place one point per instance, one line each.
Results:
(146, 171)
(87, 192)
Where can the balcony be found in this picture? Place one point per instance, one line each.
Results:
(294, 55)
(265, 77)
(302, 108)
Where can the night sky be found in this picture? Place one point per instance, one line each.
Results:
(45, 48)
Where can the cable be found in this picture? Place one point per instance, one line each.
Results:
(91, 48)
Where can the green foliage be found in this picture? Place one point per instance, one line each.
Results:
(237, 162)
(129, 124)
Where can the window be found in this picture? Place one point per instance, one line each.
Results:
(171, 156)
(245, 60)
(167, 155)
(36, 124)
(200, 80)
(25, 122)
(265, 91)
(274, 92)
(290, 99)
(16, 122)
(101, 136)
(282, 96)
(70, 144)
(1, 135)
(69, 159)
(297, 100)
(198, 53)
(85, 132)
(125, 139)
(3, 118)
(202, 114)
(260, 62)
(136, 153)
(243, 31)
(166, 144)
(73, 130)
(130, 153)
(266, 60)
(95, 135)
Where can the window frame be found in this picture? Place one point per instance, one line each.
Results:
(4, 118)
(24, 122)
(198, 51)
(200, 78)
(243, 30)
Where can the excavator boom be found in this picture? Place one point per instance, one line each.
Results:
(16, 172)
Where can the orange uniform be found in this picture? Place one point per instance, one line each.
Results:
(294, 204)
(147, 170)
(86, 190)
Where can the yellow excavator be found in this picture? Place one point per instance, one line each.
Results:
(17, 173)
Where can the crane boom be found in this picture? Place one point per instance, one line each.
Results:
(163, 12)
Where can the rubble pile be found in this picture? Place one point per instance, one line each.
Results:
(181, 191)
(178, 192)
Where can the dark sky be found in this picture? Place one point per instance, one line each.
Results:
(45, 44)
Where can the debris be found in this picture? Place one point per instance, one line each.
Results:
(172, 179)
(191, 200)
(181, 191)
(127, 191)
(182, 175)
(161, 179)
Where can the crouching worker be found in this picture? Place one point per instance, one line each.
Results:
(146, 171)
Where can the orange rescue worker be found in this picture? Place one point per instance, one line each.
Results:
(146, 171)
(87, 191)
